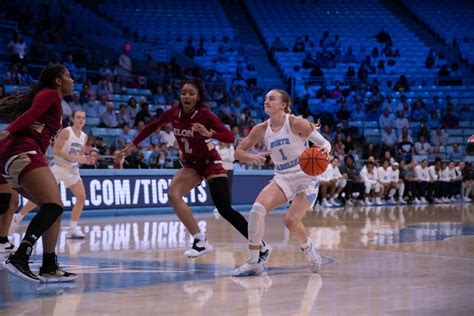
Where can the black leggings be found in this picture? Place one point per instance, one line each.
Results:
(220, 193)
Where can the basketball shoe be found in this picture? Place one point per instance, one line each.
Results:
(19, 267)
(55, 274)
(313, 258)
(199, 248)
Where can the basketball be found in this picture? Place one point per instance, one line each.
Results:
(313, 161)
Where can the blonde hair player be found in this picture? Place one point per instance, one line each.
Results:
(286, 137)
(68, 152)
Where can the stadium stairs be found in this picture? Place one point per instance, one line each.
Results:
(254, 46)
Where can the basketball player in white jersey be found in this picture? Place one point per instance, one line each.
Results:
(68, 152)
(286, 137)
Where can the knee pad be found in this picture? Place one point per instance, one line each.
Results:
(5, 199)
(257, 223)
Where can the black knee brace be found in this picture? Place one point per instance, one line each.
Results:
(5, 199)
(221, 197)
(43, 220)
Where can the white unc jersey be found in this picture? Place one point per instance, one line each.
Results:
(285, 147)
(72, 146)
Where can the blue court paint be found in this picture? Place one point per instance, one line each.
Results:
(113, 275)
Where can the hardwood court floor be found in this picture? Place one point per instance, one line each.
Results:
(386, 260)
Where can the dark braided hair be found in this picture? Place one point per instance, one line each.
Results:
(199, 85)
(14, 105)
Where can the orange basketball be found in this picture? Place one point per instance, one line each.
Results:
(313, 161)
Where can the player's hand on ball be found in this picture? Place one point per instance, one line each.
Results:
(201, 129)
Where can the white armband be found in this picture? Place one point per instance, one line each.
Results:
(319, 140)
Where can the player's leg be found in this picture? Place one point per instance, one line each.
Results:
(182, 183)
(39, 183)
(324, 193)
(79, 193)
(293, 221)
(8, 205)
(270, 197)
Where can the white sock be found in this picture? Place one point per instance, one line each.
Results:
(254, 254)
(18, 217)
(306, 245)
(72, 224)
(200, 236)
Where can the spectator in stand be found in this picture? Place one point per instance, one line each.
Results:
(123, 117)
(105, 86)
(389, 103)
(125, 138)
(435, 105)
(73, 69)
(17, 48)
(92, 108)
(75, 103)
(439, 137)
(109, 118)
(401, 122)
(323, 91)
(386, 120)
(387, 155)
(433, 120)
(403, 106)
(384, 38)
(349, 56)
(12, 77)
(435, 153)
(101, 147)
(136, 161)
(369, 151)
(405, 148)
(118, 86)
(308, 62)
(465, 113)
(336, 93)
(24, 76)
(85, 94)
(350, 74)
(418, 112)
(449, 119)
(359, 114)
(299, 46)
(144, 144)
(343, 115)
(125, 63)
(278, 46)
(158, 157)
(189, 50)
(168, 136)
(422, 147)
(144, 114)
(430, 59)
(402, 84)
(456, 154)
(389, 138)
(132, 108)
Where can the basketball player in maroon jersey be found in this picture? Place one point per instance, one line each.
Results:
(36, 116)
(193, 127)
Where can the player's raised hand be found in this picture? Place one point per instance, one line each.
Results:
(201, 129)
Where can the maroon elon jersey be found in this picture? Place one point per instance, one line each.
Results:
(193, 145)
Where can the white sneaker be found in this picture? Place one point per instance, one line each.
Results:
(313, 258)
(392, 201)
(453, 199)
(423, 200)
(75, 233)
(438, 201)
(349, 203)
(445, 200)
(402, 201)
(416, 201)
(199, 248)
(334, 202)
(249, 268)
(378, 201)
(7, 247)
(14, 225)
(325, 203)
(466, 199)
(367, 202)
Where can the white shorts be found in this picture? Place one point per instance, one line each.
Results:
(69, 176)
(293, 183)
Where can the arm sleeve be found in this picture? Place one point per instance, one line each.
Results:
(153, 126)
(319, 140)
(42, 102)
(221, 133)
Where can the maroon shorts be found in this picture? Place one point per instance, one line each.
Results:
(13, 167)
(206, 168)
